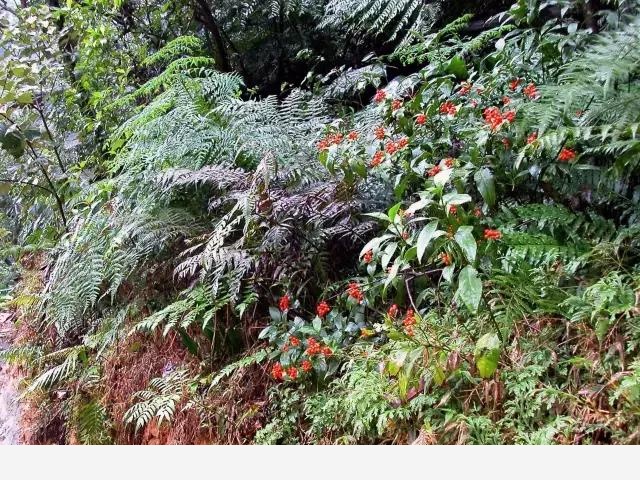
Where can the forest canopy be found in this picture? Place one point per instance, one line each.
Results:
(322, 221)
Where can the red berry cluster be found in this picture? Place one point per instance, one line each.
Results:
(323, 308)
(379, 133)
(284, 303)
(465, 88)
(409, 322)
(566, 154)
(380, 96)
(446, 259)
(513, 84)
(353, 290)
(393, 310)
(490, 234)
(434, 171)
(532, 138)
(367, 257)
(377, 159)
(531, 91)
(330, 139)
(448, 108)
(353, 135)
(315, 348)
(421, 119)
(396, 105)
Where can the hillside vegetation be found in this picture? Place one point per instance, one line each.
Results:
(323, 221)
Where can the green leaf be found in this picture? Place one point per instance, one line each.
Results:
(487, 354)
(393, 211)
(486, 185)
(457, 67)
(469, 288)
(447, 272)
(455, 199)
(317, 324)
(464, 238)
(428, 233)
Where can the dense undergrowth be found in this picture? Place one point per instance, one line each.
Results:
(447, 255)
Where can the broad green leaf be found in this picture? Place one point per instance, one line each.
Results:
(469, 288)
(428, 233)
(374, 243)
(442, 177)
(393, 211)
(486, 185)
(464, 238)
(455, 199)
(317, 323)
(487, 354)
(457, 67)
(447, 272)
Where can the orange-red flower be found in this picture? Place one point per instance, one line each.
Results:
(284, 303)
(493, 117)
(421, 119)
(403, 142)
(465, 88)
(277, 371)
(446, 259)
(566, 154)
(326, 351)
(295, 341)
(306, 365)
(391, 147)
(292, 372)
(377, 159)
(513, 84)
(453, 209)
(448, 108)
(396, 105)
(380, 96)
(353, 135)
(313, 347)
(379, 133)
(367, 257)
(531, 91)
(448, 162)
(353, 290)
(509, 116)
(434, 171)
(532, 138)
(323, 308)
(490, 234)
(393, 310)
(322, 144)
(506, 100)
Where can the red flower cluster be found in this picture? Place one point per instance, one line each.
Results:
(513, 84)
(284, 303)
(421, 119)
(315, 348)
(465, 88)
(446, 259)
(434, 171)
(493, 117)
(380, 96)
(453, 209)
(531, 91)
(396, 105)
(506, 100)
(367, 257)
(448, 108)
(353, 135)
(532, 138)
(509, 116)
(292, 372)
(277, 371)
(377, 159)
(393, 310)
(408, 322)
(448, 162)
(323, 308)
(331, 139)
(379, 133)
(295, 341)
(391, 147)
(353, 290)
(402, 143)
(490, 234)
(566, 154)
(306, 365)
